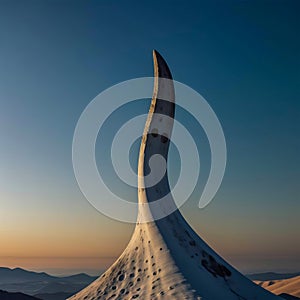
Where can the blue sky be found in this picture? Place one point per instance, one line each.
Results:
(56, 56)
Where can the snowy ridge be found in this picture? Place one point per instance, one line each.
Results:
(165, 258)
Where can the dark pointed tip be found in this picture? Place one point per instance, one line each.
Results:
(155, 53)
(161, 68)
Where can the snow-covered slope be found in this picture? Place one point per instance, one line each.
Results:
(165, 258)
(289, 286)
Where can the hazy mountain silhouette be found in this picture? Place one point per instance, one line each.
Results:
(271, 276)
(19, 275)
(32, 283)
(54, 296)
(16, 296)
(20, 284)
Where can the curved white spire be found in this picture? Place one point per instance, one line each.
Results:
(165, 258)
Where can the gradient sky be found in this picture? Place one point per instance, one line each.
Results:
(57, 55)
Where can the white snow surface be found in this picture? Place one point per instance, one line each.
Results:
(168, 260)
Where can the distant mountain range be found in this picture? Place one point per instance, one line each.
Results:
(15, 296)
(45, 286)
(54, 296)
(20, 284)
(271, 276)
(20, 275)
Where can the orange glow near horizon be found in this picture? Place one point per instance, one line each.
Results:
(59, 265)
